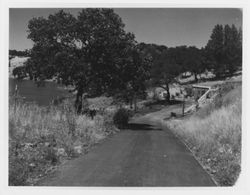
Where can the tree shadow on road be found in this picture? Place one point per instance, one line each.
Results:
(142, 127)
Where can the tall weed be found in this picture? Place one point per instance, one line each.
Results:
(40, 137)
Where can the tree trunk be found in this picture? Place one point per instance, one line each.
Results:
(195, 77)
(131, 103)
(78, 102)
(168, 93)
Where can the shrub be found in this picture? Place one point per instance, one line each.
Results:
(19, 72)
(121, 118)
(189, 91)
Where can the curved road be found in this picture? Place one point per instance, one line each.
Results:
(144, 155)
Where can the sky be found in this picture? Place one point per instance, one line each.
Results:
(164, 26)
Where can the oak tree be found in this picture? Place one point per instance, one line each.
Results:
(92, 52)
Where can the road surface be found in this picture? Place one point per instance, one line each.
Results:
(143, 155)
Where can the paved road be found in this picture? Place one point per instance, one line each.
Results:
(144, 155)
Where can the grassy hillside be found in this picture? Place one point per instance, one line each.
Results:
(214, 134)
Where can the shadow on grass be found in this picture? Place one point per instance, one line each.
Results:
(177, 116)
(155, 106)
(163, 102)
(142, 127)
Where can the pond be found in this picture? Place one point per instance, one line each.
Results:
(41, 95)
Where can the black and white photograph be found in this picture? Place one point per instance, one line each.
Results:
(114, 96)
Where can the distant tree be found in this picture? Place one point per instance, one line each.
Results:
(181, 56)
(152, 50)
(91, 52)
(19, 72)
(232, 48)
(134, 77)
(214, 49)
(13, 52)
(166, 69)
(224, 50)
(239, 45)
(140, 74)
(194, 61)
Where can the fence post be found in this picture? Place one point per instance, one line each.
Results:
(15, 98)
(183, 106)
(135, 103)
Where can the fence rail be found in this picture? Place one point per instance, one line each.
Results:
(208, 96)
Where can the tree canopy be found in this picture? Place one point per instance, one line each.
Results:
(92, 52)
(194, 61)
(224, 50)
(166, 69)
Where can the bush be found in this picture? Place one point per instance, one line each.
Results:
(121, 118)
(19, 72)
(189, 91)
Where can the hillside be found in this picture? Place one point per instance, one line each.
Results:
(213, 133)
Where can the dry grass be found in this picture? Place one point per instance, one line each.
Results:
(214, 135)
(43, 136)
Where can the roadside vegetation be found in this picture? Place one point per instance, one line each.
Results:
(121, 118)
(42, 137)
(214, 134)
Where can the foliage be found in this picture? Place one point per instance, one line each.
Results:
(194, 61)
(152, 50)
(91, 52)
(224, 50)
(134, 77)
(167, 68)
(121, 118)
(214, 49)
(19, 72)
(14, 52)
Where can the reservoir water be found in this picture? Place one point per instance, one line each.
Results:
(40, 95)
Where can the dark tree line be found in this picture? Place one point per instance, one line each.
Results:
(25, 53)
(222, 56)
